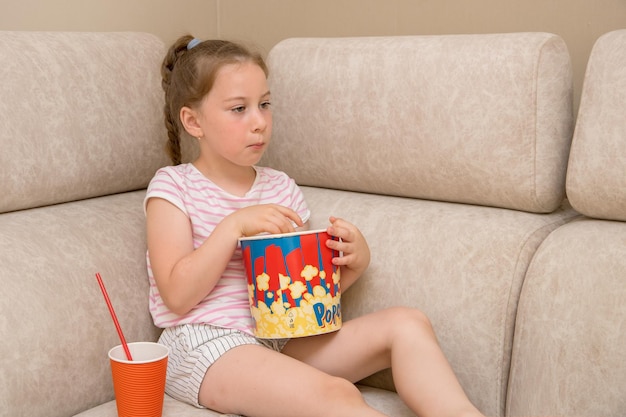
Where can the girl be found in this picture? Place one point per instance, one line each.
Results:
(217, 92)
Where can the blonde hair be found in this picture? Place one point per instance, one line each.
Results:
(188, 74)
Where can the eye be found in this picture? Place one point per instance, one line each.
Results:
(238, 109)
(265, 105)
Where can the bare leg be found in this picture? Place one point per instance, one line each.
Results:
(259, 382)
(400, 338)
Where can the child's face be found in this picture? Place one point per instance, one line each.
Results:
(235, 117)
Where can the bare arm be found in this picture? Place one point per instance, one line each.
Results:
(185, 276)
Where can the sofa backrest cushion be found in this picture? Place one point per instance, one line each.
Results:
(596, 178)
(81, 115)
(481, 119)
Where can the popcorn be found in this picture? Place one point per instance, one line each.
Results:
(285, 280)
(309, 272)
(297, 289)
(263, 282)
(293, 286)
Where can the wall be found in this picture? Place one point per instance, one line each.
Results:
(265, 22)
(578, 22)
(165, 18)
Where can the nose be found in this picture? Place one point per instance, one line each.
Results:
(259, 122)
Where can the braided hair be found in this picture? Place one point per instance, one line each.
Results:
(188, 72)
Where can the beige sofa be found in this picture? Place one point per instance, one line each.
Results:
(451, 153)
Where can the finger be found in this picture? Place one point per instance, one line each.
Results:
(270, 221)
(336, 245)
(342, 260)
(280, 224)
(339, 230)
(291, 215)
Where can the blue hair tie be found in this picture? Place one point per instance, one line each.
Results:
(192, 43)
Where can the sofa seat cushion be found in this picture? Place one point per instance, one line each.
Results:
(383, 400)
(569, 356)
(171, 408)
(52, 309)
(462, 265)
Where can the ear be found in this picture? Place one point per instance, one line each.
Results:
(189, 120)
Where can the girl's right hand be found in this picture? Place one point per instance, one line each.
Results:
(270, 218)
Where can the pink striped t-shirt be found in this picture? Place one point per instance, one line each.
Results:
(206, 205)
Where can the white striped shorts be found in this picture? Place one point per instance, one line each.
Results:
(195, 347)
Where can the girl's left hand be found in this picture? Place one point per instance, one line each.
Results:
(354, 251)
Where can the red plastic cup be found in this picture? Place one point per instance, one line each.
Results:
(139, 384)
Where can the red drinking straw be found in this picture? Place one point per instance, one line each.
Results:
(113, 316)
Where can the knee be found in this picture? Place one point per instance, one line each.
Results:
(341, 392)
(410, 320)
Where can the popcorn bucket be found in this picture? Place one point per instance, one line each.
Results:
(293, 286)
